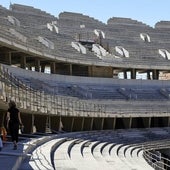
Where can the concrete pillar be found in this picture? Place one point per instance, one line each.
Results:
(71, 69)
(53, 67)
(155, 74)
(133, 74)
(37, 65)
(33, 128)
(48, 124)
(168, 121)
(126, 122)
(147, 122)
(72, 123)
(114, 123)
(29, 67)
(91, 125)
(102, 123)
(115, 73)
(130, 122)
(148, 75)
(90, 72)
(42, 68)
(23, 62)
(8, 58)
(125, 74)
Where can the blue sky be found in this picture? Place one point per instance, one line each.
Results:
(147, 11)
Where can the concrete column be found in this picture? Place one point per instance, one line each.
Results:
(29, 67)
(147, 122)
(115, 73)
(90, 72)
(91, 125)
(148, 75)
(37, 65)
(114, 123)
(130, 122)
(155, 74)
(23, 62)
(48, 123)
(127, 122)
(82, 124)
(8, 58)
(168, 121)
(102, 123)
(33, 128)
(125, 74)
(42, 68)
(72, 123)
(53, 67)
(71, 70)
(133, 74)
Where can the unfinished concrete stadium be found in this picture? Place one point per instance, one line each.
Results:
(93, 95)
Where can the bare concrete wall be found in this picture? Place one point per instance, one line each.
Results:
(97, 71)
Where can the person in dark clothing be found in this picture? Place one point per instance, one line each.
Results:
(13, 122)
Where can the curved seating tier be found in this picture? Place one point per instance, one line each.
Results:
(123, 32)
(92, 149)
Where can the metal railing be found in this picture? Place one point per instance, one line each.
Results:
(154, 157)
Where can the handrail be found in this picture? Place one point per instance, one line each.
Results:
(157, 161)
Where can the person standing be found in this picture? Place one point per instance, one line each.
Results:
(13, 122)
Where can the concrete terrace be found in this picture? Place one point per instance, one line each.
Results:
(81, 150)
